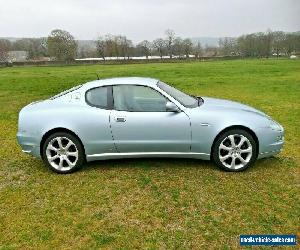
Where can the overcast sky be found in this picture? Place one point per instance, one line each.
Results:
(147, 19)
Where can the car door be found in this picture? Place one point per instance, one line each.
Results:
(95, 123)
(140, 122)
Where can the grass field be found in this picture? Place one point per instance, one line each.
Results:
(151, 203)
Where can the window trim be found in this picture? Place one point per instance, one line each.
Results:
(65, 92)
(179, 102)
(146, 86)
(109, 97)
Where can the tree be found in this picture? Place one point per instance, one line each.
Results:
(246, 45)
(34, 46)
(145, 47)
(187, 47)
(4, 48)
(61, 45)
(116, 45)
(262, 43)
(170, 41)
(125, 45)
(278, 42)
(269, 39)
(159, 44)
(292, 42)
(178, 47)
(227, 46)
(211, 51)
(198, 51)
(109, 45)
(100, 46)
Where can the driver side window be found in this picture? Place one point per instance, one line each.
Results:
(136, 98)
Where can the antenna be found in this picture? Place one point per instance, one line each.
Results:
(97, 76)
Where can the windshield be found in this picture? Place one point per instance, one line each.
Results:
(186, 100)
(65, 92)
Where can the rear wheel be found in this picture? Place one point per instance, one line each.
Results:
(63, 153)
(235, 150)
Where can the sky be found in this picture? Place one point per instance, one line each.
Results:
(147, 19)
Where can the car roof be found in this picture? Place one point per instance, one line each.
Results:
(122, 80)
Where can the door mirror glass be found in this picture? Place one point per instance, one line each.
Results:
(171, 107)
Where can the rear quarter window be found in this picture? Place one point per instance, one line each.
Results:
(97, 97)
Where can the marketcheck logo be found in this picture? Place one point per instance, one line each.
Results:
(268, 240)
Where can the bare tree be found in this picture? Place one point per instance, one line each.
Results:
(125, 45)
(278, 42)
(198, 50)
(4, 48)
(100, 46)
(227, 46)
(117, 45)
(292, 43)
(246, 45)
(289, 44)
(211, 50)
(145, 47)
(61, 45)
(178, 49)
(170, 41)
(187, 46)
(159, 44)
(109, 45)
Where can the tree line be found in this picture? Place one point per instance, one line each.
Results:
(60, 45)
(121, 46)
(261, 44)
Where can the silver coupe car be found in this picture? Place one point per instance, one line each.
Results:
(144, 117)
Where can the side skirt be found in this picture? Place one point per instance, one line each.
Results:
(106, 156)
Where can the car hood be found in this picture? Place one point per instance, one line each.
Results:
(226, 104)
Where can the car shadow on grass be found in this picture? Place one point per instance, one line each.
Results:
(271, 163)
(274, 163)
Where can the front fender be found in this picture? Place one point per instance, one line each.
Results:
(207, 124)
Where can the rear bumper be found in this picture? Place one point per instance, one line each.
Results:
(29, 144)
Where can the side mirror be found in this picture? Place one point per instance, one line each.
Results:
(171, 107)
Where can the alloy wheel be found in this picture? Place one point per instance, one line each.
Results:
(62, 153)
(235, 151)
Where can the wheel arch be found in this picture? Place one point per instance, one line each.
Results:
(56, 130)
(251, 132)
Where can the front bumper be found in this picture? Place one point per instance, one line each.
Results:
(29, 144)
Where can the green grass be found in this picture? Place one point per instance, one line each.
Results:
(151, 203)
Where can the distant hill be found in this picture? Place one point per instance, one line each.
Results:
(209, 41)
(86, 43)
(12, 39)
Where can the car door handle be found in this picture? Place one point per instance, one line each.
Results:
(120, 119)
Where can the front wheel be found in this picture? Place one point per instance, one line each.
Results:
(235, 150)
(63, 153)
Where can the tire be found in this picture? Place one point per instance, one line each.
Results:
(234, 150)
(63, 153)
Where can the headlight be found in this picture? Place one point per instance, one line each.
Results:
(275, 125)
